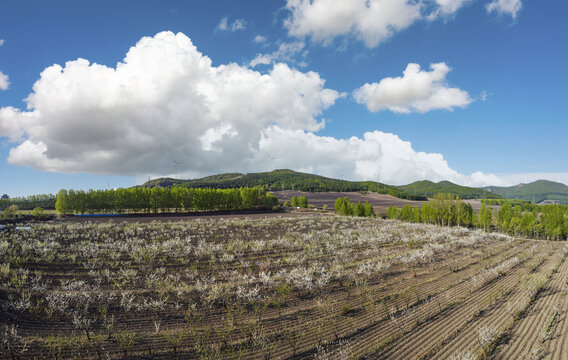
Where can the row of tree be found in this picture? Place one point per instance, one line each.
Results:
(343, 206)
(140, 199)
(45, 201)
(297, 201)
(288, 180)
(545, 221)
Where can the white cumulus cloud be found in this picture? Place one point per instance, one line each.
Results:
(510, 7)
(376, 155)
(416, 91)
(372, 21)
(166, 101)
(13, 123)
(4, 81)
(1, 42)
(239, 24)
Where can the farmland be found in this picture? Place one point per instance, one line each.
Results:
(279, 287)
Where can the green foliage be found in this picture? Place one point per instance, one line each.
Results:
(429, 189)
(39, 213)
(485, 217)
(163, 200)
(536, 191)
(369, 210)
(393, 212)
(294, 201)
(46, 201)
(11, 212)
(284, 180)
(544, 221)
(302, 202)
(406, 213)
(343, 206)
(299, 201)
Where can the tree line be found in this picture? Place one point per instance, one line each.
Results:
(539, 221)
(343, 206)
(155, 200)
(45, 201)
(297, 201)
(289, 180)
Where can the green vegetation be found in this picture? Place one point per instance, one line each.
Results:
(284, 180)
(536, 191)
(525, 205)
(445, 210)
(299, 201)
(39, 213)
(343, 206)
(10, 213)
(536, 221)
(429, 189)
(163, 200)
(46, 201)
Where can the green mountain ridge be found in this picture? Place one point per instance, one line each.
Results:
(536, 191)
(291, 180)
(284, 180)
(429, 189)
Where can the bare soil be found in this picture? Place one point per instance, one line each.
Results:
(298, 285)
(379, 201)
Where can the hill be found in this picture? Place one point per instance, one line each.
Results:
(284, 180)
(536, 191)
(429, 189)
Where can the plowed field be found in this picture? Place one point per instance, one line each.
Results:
(325, 287)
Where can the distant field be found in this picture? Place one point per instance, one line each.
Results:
(312, 286)
(380, 202)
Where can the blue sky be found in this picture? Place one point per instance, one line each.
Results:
(224, 85)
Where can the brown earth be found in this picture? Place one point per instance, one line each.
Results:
(430, 307)
(379, 201)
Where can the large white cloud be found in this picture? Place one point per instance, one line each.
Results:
(166, 101)
(416, 91)
(372, 21)
(377, 155)
(510, 7)
(4, 81)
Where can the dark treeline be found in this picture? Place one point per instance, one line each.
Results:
(343, 206)
(525, 205)
(45, 201)
(138, 199)
(535, 221)
(289, 180)
(429, 189)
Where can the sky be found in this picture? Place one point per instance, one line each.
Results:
(108, 94)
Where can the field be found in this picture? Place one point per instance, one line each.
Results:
(379, 201)
(325, 287)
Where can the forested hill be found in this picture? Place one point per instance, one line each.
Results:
(429, 189)
(284, 180)
(536, 191)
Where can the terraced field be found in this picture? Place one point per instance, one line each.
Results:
(322, 287)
